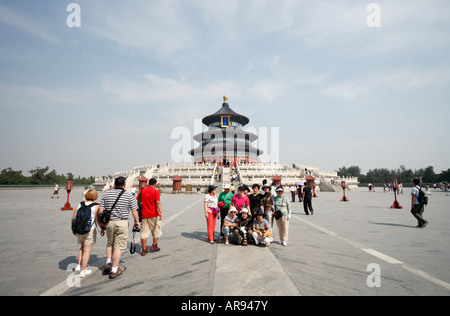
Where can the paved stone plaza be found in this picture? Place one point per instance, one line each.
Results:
(328, 253)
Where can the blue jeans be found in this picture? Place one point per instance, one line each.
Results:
(228, 231)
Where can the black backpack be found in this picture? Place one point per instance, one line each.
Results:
(422, 198)
(83, 220)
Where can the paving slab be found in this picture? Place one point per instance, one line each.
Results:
(329, 253)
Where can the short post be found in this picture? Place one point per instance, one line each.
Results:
(344, 198)
(394, 183)
(69, 187)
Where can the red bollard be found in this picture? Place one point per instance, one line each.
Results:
(395, 188)
(67, 206)
(344, 198)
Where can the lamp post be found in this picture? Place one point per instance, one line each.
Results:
(394, 184)
(69, 187)
(344, 198)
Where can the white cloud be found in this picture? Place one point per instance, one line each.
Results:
(151, 27)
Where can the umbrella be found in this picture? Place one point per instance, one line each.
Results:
(299, 183)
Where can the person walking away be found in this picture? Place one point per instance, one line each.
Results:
(117, 227)
(292, 189)
(151, 216)
(224, 202)
(307, 200)
(88, 239)
(212, 212)
(417, 208)
(283, 205)
(300, 193)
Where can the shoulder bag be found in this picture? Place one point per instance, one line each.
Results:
(106, 214)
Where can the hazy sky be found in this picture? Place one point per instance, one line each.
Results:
(106, 96)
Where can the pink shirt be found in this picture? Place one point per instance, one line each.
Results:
(239, 202)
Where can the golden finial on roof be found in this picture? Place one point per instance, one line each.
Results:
(225, 99)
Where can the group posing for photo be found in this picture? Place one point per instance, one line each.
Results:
(247, 218)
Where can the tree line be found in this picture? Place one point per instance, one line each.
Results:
(403, 175)
(40, 176)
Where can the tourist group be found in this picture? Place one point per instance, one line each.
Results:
(248, 217)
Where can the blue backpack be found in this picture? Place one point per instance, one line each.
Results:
(83, 220)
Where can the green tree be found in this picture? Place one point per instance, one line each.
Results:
(12, 177)
(38, 175)
(429, 175)
(352, 171)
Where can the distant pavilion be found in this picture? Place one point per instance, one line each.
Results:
(225, 142)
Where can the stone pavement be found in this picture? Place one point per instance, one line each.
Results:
(340, 250)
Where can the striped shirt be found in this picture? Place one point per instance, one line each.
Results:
(124, 205)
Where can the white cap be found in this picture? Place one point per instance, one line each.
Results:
(226, 186)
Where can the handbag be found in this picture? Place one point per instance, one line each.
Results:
(106, 214)
(278, 214)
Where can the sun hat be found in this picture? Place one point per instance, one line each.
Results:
(211, 188)
(232, 209)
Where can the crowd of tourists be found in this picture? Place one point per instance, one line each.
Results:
(248, 217)
(245, 218)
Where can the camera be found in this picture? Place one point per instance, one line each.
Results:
(136, 229)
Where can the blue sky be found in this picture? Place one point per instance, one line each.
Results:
(106, 97)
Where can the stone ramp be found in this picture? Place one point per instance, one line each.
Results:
(251, 270)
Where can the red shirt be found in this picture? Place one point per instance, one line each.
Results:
(149, 197)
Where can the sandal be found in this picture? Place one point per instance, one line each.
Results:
(144, 252)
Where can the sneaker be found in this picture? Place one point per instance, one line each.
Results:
(227, 243)
(284, 243)
(211, 242)
(115, 275)
(85, 273)
(77, 269)
(107, 269)
(424, 224)
(144, 252)
(154, 248)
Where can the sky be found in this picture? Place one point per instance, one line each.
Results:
(107, 96)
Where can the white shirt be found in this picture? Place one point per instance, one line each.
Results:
(212, 201)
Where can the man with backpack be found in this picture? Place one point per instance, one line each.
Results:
(418, 202)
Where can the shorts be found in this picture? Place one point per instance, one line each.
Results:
(151, 225)
(117, 234)
(88, 238)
